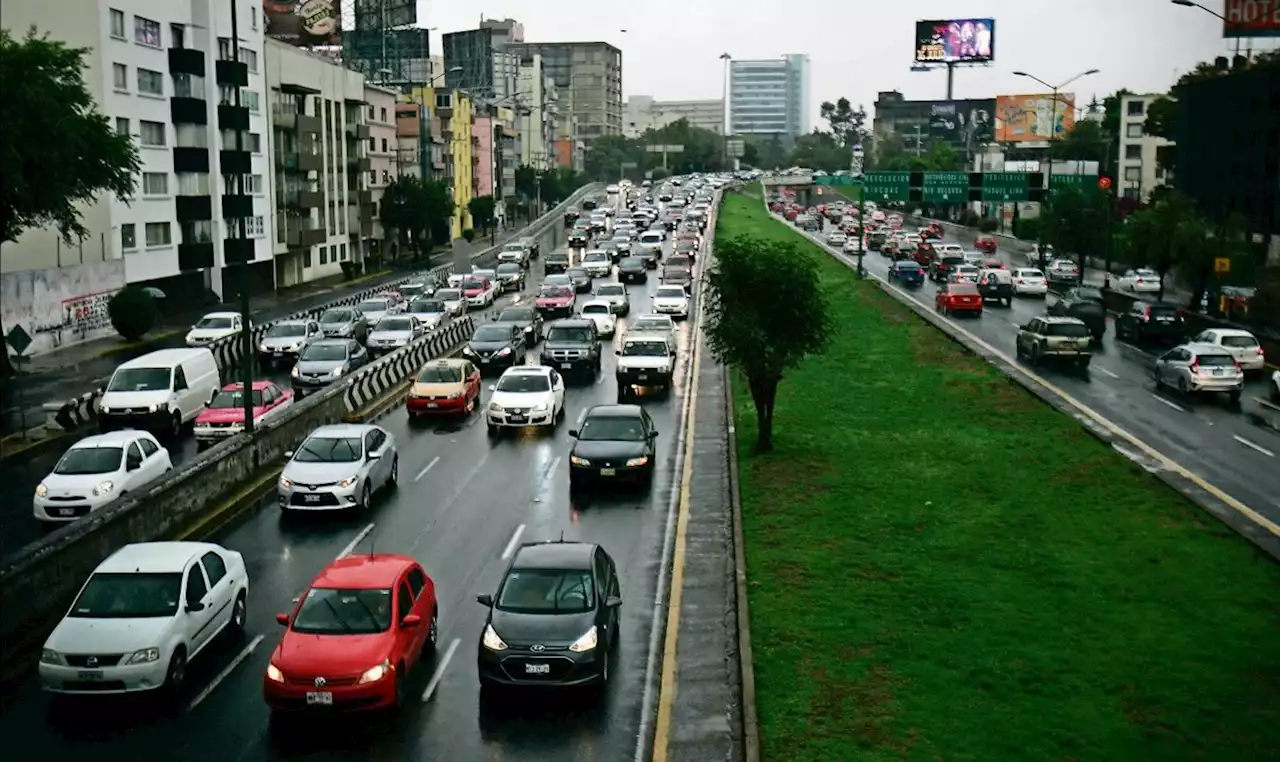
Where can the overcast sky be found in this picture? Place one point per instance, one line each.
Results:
(671, 48)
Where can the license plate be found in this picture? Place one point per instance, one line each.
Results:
(643, 376)
(310, 498)
(1217, 373)
(537, 669)
(517, 419)
(608, 472)
(320, 698)
(66, 512)
(484, 361)
(89, 674)
(278, 354)
(433, 404)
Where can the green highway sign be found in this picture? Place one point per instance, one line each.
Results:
(959, 187)
(842, 180)
(1004, 186)
(888, 186)
(945, 187)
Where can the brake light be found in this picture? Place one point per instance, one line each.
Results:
(1195, 365)
(1146, 314)
(1260, 352)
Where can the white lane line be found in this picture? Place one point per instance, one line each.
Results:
(356, 541)
(1106, 372)
(552, 469)
(227, 670)
(427, 468)
(511, 544)
(1257, 447)
(438, 675)
(1173, 405)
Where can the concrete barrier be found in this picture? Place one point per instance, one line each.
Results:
(373, 381)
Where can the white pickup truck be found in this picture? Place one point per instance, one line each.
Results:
(644, 362)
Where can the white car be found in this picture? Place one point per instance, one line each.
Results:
(1028, 281)
(455, 279)
(852, 245)
(836, 238)
(97, 470)
(214, 326)
(600, 312)
(514, 252)
(1275, 387)
(142, 616)
(1242, 345)
(339, 467)
(662, 325)
(455, 304)
(651, 240)
(616, 295)
(671, 300)
(597, 263)
(429, 310)
(376, 309)
(622, 241)
(526, 395)
(1141, 281)
(393, 332)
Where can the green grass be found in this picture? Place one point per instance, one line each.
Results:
(941, 567)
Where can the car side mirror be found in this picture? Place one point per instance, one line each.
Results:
(282, 620)
(485, 599)
(288, 454)
(618, 352)
(410, 622)
(653, 435)
(194, 607)
(573, 433)
(1023, 327)
(493, 387)
(373, 456)
(613, 601)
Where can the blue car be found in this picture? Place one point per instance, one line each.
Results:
(906, 273)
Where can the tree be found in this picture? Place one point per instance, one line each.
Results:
(608, 153)
(1087, 141)
(1167, 234)
(765, 313)
(527, 181)
(847, 125)
(559, 183)
(1075, 223)
(941, 157)
(819, 150)
(482, 209)
(438, 208)
(769, 151)
(133, 312)
(57, 151)
(419, 212)
(609, 156)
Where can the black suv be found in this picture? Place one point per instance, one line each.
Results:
(572, 347)
(1144, 321)
(556, 262)
(1086, 304)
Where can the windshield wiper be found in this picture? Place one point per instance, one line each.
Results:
(373, 620)
(337, 616)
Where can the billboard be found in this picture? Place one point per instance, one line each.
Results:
(1028, 118)
(1251, 18)
(956, 41)
(304, 22)
(967, 122)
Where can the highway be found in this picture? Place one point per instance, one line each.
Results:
(463, 503)
(1206, 436)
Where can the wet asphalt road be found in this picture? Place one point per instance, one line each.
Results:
(462, 498)
(1204, 435)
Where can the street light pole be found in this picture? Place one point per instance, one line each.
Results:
(862, 213)
(1210, 11)
(724, 110)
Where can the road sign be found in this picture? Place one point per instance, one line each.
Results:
(1104, 182)
(665, 149)
(1004, 186)
(19, 339)
(1221, 265)
(887, 186)
(945, 187)
(736, 147)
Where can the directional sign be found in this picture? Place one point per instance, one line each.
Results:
(1221, 266)
(945, 187)
(1004, 186)
(18, 338)
(954, 187)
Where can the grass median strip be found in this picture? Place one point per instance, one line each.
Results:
(942, 567)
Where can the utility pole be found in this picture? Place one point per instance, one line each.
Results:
(246, 333)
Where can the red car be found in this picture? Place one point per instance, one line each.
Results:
(354, 637)
(446, 387)
(555, 301)
(985, 243)
(924, 254)
(225, 415)
(936, 230)
(958, 299)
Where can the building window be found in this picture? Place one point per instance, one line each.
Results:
(1131, 193)
(382, 114)
(384, 145)
(371, 145)
(306, 258)
(255, 142)
(128, 231)
(342, 249)
(1134, 108)
(158, 234)
(152, 134)
(155, 183)
(1133, 152)
(192, 136)
(122, 126)
(193, 184)
(195, 231)
(254, 227)
(251, 99)
(177, 36)
(120, 77)
(249, 58)
(150, 82)
(146, 31)
(373, 177)
(1133, 131)
(1133, 173)
(386, 177)
(333, 221)
(324, 255)
(117, 24)
(224, 49)
(188, 86)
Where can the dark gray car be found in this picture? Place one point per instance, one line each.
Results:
(581, 280)
(344, 323)
(326, 361)
(527, 318)
(494, 347)
(510, 276)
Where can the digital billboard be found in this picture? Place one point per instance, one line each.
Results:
(956, 41)
(964, 122)
(1030, 118)
(304, 22)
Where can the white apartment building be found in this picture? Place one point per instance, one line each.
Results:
(537, 119)
(1139, 169)
(320, 174)
(643, 113)
(384, 150)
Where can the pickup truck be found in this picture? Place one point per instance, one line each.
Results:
(645, 361)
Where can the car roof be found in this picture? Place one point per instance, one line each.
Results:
(554, 555)
(445, 362)
(258, 384)
(1231, 332)
(614, 411)
(110, 439)
(1058, 319)
(1202, 348)
(292, 321)
(527, 370)
(165, 357)
(654, 316)
(572, 323)
(153, 557)
(330, 342)
(341, 430)
(222, 313)
(364, 571)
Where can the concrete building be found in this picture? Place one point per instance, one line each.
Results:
(320, 140)
(384, 164)
(769, 97)
(643, 113)
(477, 60)
(537, 119)
(421, 151)
(588, 78)
(1139, 166)
(455, 113)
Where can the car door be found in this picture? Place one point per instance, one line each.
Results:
(197, 613)
(605, 581)
(153, 461)
(221, 589)
(422, 604)
(188, 402)
(1163, 363)
(134, 467)
(557, 390)
(408, 641)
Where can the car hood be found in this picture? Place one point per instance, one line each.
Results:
(380, 336)
(487, 346)
(469, 292)
(134, 399)
(225, 415)
(107, 636)
(575, 346)
(644, 361)
(375, 316)
(280, 342)
(436, 389)
(77, 483)
(553, 301)
(314, 367)
(319, 473)
(540, 629)
(520, 399)
(330, 655)
(610, 450)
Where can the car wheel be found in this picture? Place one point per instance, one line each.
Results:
(493, 431)
(238, 614)
(366, 498)
(1183, 388)
(1234, 396)
(1035, 354)
(175, 425)
(175, 677)
(433, 633)
(394, 477)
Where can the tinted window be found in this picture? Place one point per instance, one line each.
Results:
(1239, 342)
(471, 284)
(595, 309)
(555, 292)
(215, 323)
(1074, 330)
(336, 316)
(89, 460)
(644, 349)
(509, 268)
(196, 588)
(329, 450)
(448, 295)
(140, 380)
(235, 399)
(327, 611)
(214, 567)
(417, 581)
(404, 601)
(492, 333)
(128, 596)
(149, 448)
(1215, 361)
(395, 324)
(286, 329)
(547, 591)
(373, 305)
(614, 290)
(1163, 310)
(572, 334)
(524, 383)
(611, 428)
(324, 353)
(427, 306)
(517, 315)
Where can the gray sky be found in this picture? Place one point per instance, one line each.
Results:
(671, 48)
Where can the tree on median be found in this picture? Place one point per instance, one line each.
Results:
(765, 313)
(1168, 234)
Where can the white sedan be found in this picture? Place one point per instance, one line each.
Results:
(97, 470)
(215, 326)
(600, 312)
(1028, 281)
(671, 300)
(525, 395)
(1141, 281)
(597, 263)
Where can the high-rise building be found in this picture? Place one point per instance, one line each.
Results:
(538, 119)
(477, 61)
(644, 113)
(384, 165)
(588, 78)
(769, 97)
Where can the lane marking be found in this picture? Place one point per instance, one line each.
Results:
(427, 468)
(1106, 372)
(438, 675)
(1257, 447)
(227, 670)
(1173, 405)
(513, 542)
(552, 468)
(356, 541)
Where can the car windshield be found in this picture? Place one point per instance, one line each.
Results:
(138, 595)
(522, 383)
(572, 334)
(644, 349)
(651, 238)
(473, 284)
(440, 374)
(1239, 342)
(373, 305)
(234, 399)
(214, 323)
(508, 268)
(596, 256)
(1163, 310)
(516, 315)
(609, 245)
(1090, 294)
(1069, 330)
(595, 309)
(409, 291)
(336, 316)
(669, 292)
(685, 245)
(577, 273)
(557, 258)
(426, 306)
(953, 259)
(492, 333)
(611, 428)
(1030, 274)
(631, 263)
(324, 353)
(139, 380)
(514, 247)
(329, 450)
(547, 591)
(612, 290)
(448, 294)
(328, 611)
(1215, 361)
(395, 324)
(286, 329)
(555, 292)
(81, 461)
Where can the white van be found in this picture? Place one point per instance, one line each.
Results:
(159, 392)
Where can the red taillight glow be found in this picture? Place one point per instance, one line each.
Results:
(1195, 366)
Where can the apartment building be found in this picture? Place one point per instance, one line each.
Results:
(588, 77)
(320, 183)
(1140, 153)
(643, 113)
(422, 152)
(537, 119)
(769, 97)
(455, 114)
(384, 165)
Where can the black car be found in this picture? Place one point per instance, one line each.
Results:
(494, 347)
(615, 445)
(527, 319)
(687, 248)
(906, 272)
(510, 276)
(553, 620)
(589, 205)
(677, 276)
(1145, 321)
(556, 262)
(633, 270)
(571, 216)
(1086, 304)
(611, 246)
(579, 238)
(572, 347)
(581, 279)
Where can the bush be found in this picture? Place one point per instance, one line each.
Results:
(469, 234)
(133, 312)
(969, 218)
(988, 225)
(1026, 228)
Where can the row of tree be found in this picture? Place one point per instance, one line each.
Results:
(614, 157)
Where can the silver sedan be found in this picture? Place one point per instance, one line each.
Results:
(339, 467)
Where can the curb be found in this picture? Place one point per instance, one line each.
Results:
(16, 445)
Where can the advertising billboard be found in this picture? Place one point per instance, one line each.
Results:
(304, 22)
(1251, 18)
(956, 41)
(963, 122)
(1030, 118)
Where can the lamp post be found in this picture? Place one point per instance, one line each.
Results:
(724, 107)
(1210, 11)
(1053, 134)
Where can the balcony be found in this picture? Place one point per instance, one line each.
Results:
(235, 162)
(308, 124)
(302, 232)
(359, 164)
(192, 208)
(444, 106)
(189, 159)
(186, 61)
(236, 251)
(231, 73)
(311, 199)
(188, 111)
(310, 162)
(195, 256)
(233, 117)
(236, 206)
(284, 119)
(357, 130)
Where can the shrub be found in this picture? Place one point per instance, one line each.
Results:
(469, 234)
(988, 225)
(133, 312)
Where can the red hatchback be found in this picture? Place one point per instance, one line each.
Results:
(958, 299)
(355, 635)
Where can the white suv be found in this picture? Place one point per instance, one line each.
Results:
(671, 300)
(526, 395)
(646, 361)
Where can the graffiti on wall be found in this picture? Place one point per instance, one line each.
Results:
(61, 305)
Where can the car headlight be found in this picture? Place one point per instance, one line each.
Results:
(41, 490)
(540, 408)
(285, 483)
(505, 351)
(104, 409)
(104, 488)
(274, 674)
(293, 347)
(157, 407)
(145, 656)
(587, 642)
(576, 461)
(641, 461)
(49, 656)
(468, 351)
(336, 371)
(374, 674)
(295, 373)
(491, 641)
(348, 482)
(262, 347)
(495, 407)
(664, 368)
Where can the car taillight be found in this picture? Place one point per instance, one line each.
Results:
(1195, 366)
(1146, 314)
(1260, 352)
